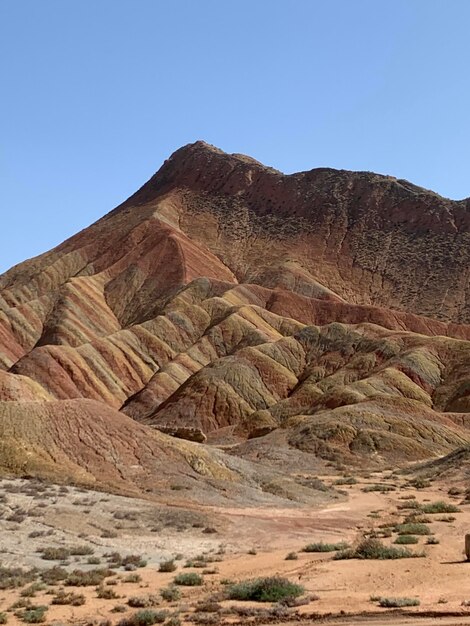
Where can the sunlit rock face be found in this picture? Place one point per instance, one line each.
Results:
(226, 297)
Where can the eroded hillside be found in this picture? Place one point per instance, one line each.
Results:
(225, 301)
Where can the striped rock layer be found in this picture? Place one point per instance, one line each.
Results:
(227, 300)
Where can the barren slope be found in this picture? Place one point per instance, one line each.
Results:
(227, 300)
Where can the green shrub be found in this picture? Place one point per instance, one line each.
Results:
(3, 618)
(188, 579)
(413, 529)
(439, 507)
(325, 547)
(269, 589)
(406, 540)
(292, 556)
(398, 602)
(375, 549)
(34, 615)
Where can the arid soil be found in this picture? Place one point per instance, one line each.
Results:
(232, 545)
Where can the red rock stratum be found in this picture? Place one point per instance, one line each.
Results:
(225, 300)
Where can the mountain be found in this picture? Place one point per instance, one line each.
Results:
(324, 313)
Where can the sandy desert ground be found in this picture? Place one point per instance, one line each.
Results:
(225, 546)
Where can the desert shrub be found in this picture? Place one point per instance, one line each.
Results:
(406, 540)
(416, 518)
(143, 602)
(14, 577)
(90, 578)
(22, 603)
(413, 529)
(147, 617)
(31, 590)
(420, 483)
(439, 507)
(269, 589)
(93, 560)
(131, 560)
(53, 575)
(325, 547)
(398, 602)
(170, 594)
(375, 549)
(167, 566)
(198, 563)
(292, 556)
(109, 534)
(347, 480)
(39, 533)
(132, 578)
(18, 517)
(432, 541)
(205, 619)
(188, 579)
(409, 504)
(34, 615)
(105, 593)
(446, 518)
(52, 553)
(174, 620)
(454, 491)
(378, 487)
(74, 599)
(3, 618)
(81, 550)
(127, 515)
(208, 606)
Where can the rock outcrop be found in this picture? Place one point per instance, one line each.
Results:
(226, 297)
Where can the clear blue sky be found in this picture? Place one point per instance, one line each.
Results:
(97, 93)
